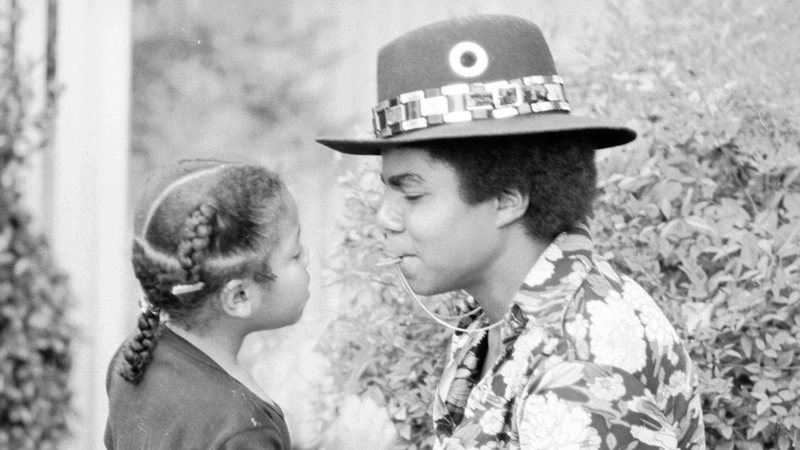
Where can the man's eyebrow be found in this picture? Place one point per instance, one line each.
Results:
(402, 180)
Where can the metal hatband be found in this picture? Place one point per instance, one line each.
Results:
(466, 102)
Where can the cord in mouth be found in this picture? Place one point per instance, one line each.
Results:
(388, 262)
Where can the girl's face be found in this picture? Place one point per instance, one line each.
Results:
(285, 297)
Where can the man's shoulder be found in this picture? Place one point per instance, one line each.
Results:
(620, 322)
(603, 282)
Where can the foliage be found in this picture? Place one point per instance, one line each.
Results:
(381, 342)
(703, 210)
(240, 77)
(34, 334)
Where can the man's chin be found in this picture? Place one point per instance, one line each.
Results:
(420, 286)
(424, 289)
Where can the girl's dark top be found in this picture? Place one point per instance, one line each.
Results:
(186, 400)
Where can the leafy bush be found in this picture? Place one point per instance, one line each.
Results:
(703, 210)
(381, 343)
(34, 335)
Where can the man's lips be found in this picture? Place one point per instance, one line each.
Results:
(394, 259)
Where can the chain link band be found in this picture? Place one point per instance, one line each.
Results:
(466, 102)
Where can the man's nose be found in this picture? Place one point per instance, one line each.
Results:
(389, 218)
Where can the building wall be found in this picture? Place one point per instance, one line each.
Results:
(87, 192)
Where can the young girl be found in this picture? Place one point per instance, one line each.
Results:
(217, 252)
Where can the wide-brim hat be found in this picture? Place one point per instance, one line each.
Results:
(470, 77)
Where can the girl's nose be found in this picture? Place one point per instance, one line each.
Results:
(388, 218)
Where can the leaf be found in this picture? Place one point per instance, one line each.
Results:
(726, 431)
(686, 206)
(747, 345)
(762, 406)
(760, 425)
(791, 203)
(779, 410)
(792, 422)
(666, 208)
(699, 224)
(404, 430)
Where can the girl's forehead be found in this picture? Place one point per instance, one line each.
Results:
(290, 203)
(290, 219)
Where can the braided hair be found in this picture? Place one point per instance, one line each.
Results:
(198, 224)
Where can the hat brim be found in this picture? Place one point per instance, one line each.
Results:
(599, 133)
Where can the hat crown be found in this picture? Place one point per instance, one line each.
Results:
(473, 49)
(473, 77)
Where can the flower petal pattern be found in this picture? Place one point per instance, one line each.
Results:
(590, 362)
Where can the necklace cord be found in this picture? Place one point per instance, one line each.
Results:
(438, 318)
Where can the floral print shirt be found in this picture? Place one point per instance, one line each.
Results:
(589, 362)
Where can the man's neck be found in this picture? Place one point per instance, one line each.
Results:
(506, 275)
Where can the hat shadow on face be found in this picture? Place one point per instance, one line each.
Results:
(474, 76)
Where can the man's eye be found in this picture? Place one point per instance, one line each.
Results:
(412, 197)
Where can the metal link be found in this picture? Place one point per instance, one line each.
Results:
(433, 106)
(395, 114)
(413, 110)
(413, 124)
(466, 102)
(411, 96)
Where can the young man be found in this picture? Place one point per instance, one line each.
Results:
(489, 184)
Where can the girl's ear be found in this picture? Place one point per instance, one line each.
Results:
(511, 205)
(236, 300)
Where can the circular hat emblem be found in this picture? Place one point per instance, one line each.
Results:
(468, 59)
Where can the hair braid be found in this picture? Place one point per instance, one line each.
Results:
(156, 279)
(196, 240)
(138, 349)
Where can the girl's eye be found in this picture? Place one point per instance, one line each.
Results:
(412, 197)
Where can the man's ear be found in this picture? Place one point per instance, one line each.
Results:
(236, 301)
(511, 205)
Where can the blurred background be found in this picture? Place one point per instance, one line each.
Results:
(137, 84)
(99, 92)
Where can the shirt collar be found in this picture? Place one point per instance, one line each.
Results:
(552, 281)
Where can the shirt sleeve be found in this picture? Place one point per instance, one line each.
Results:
(265, 438)
(577, 404)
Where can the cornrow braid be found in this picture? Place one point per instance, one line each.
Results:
(198, 224)
(196, 239)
